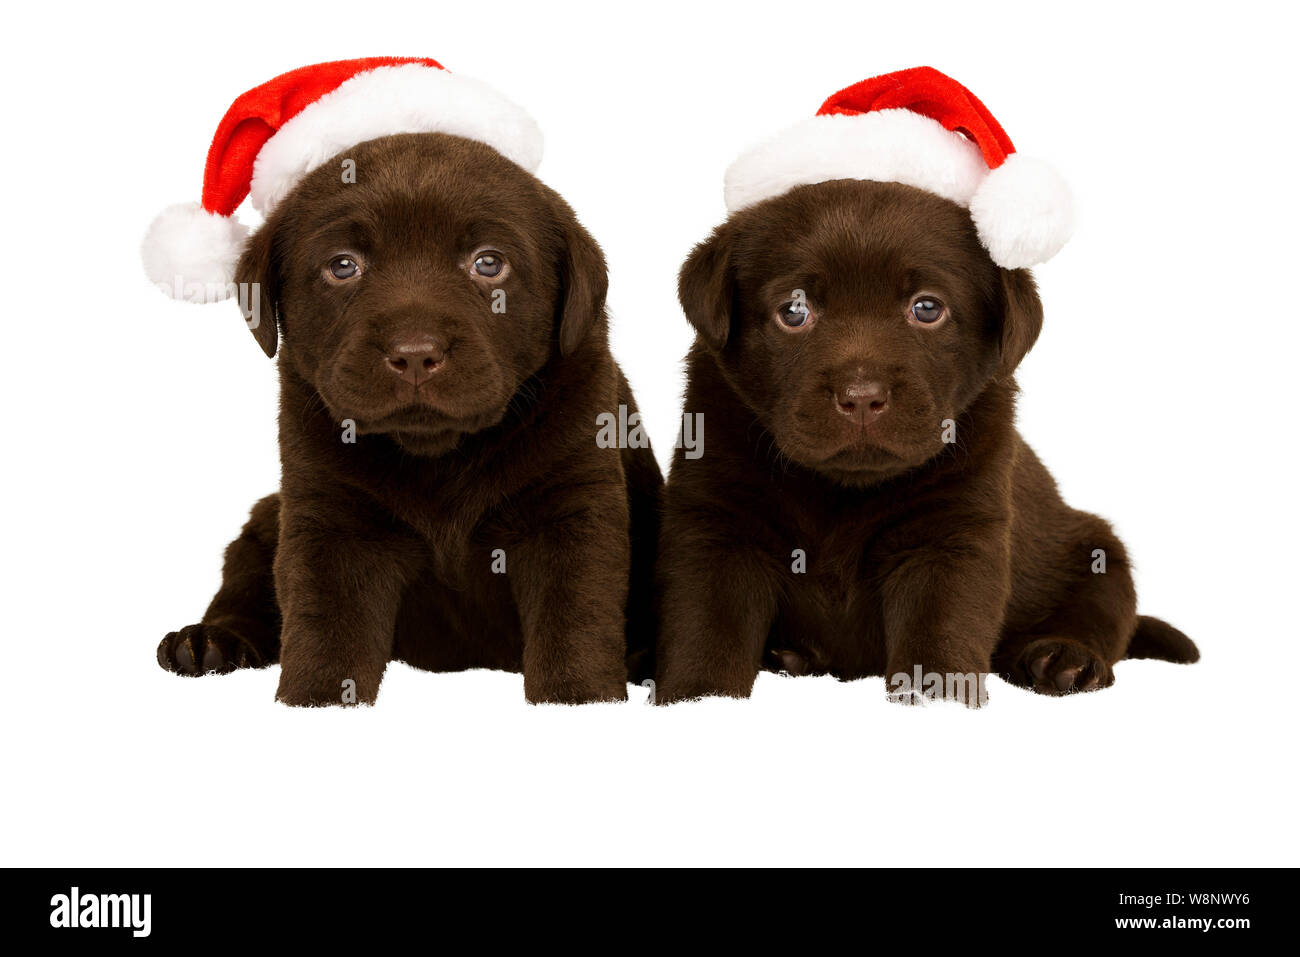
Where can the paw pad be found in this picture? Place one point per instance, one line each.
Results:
(205, 649)
(1059, 666)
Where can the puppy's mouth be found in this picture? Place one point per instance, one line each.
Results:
(424, 427)
(862, 453)
(430, 420)
(861, 460)
(855, 453)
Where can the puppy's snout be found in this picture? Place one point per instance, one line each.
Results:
(862, 400)
(415, 358)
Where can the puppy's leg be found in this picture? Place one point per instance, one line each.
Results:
(644, 490)
(241, 628)
(942, 608)
(645, 484)
(718, 600)
(1093, 613)
(569, 578)
(339, 572)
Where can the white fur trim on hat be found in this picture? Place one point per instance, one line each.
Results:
(411, 98)
(1024, 212)
(891, 146)
(190, 253)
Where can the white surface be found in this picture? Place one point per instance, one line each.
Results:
(1161, 394)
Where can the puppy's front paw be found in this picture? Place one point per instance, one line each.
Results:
(920, 686)
(907, 698)
(206, 649)
(345, 696)
(1060, 666)
(559, 691)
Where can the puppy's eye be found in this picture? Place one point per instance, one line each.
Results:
(343, 268)
(927, 310)
(795, 315)
(489, 265)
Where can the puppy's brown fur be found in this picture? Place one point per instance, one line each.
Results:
(958, 557)
(387, 548)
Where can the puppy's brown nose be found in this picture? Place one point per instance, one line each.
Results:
(415, 358)
(862, 401)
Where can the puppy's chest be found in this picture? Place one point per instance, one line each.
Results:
(446, 512)
(830, 606)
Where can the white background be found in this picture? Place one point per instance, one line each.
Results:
(1161, 394)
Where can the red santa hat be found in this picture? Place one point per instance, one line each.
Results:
(924, 129)
(276, 133)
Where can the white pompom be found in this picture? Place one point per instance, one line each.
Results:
(1024, 212)
(190, 253)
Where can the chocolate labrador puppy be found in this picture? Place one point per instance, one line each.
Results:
(866, 505)
(444, 359)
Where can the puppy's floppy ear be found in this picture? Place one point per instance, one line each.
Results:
(706, 288)
(256, 278)
(584, 281)
(1022, 317)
